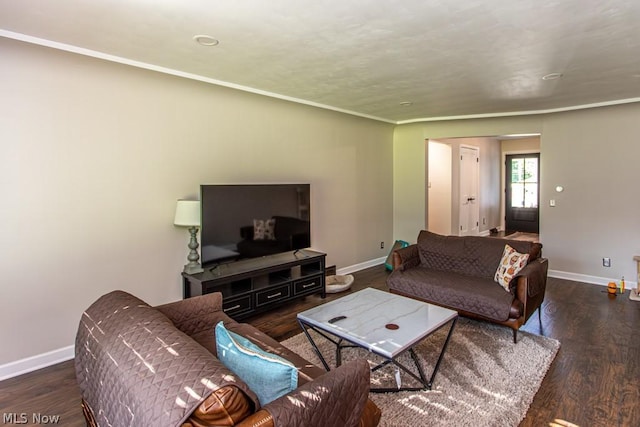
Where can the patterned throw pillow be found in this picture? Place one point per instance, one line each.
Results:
(510, 264)
(264, 229)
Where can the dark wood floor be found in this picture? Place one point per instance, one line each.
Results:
(594, 380)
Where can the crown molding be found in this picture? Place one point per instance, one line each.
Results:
(521, 113)
(138, 64)
(143, 65)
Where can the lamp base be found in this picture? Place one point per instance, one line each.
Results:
(193, 269)
(193, 266)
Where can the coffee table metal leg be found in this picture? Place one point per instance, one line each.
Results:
(419, 366)
(422, 378)
(399, 366)
(444, 348)
(313, 344)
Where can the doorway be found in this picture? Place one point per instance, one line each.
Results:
(522, 193)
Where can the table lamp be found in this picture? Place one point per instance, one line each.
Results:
(188, 215)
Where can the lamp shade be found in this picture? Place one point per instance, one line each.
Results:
(187, 213)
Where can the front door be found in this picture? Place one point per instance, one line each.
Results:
(522, 193)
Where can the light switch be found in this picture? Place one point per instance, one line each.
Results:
(552, 203)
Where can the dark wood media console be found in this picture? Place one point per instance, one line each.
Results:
(254, 285)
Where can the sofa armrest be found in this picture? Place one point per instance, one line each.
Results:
(337, 398)
(197, 314)
(405, 258)
(532, 279)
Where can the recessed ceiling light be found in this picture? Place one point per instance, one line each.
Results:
(406, 103)
(205, 40)
(552, 76)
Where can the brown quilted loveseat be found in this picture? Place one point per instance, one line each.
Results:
(137, 365)
(458, 273)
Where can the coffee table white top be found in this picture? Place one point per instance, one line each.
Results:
(369, 311)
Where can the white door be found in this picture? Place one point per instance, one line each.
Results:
(469, 186)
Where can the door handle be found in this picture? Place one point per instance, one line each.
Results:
(470, 199)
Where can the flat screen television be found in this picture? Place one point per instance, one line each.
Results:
(242, 221)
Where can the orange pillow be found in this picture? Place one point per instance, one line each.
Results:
(510, 264)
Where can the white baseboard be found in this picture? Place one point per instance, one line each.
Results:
(596, 280)
(486, 233)
(33, 363)
(361, 266)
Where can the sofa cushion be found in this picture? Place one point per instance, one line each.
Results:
(269, 376)
(477, 295)
(511, 263)
(469, 255)
(195, 315)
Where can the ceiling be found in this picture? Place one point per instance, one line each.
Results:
(446, 58)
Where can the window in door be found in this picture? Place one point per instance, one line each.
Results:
(522, 193)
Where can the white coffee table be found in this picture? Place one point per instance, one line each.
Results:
(383, 323)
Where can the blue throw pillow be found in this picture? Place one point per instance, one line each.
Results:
(267, 375)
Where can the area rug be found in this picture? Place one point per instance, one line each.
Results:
(484, 379)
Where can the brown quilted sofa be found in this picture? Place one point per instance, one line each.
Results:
(137, 365)
(458, 273)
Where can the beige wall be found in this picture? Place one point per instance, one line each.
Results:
(595, 155)
(592, 153)
(524, 145)
(95, 154)
(409, 182)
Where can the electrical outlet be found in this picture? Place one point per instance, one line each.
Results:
(606, 262)
(381, 245)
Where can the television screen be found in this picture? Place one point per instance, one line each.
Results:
(253, 220)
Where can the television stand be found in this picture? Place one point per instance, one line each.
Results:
(254, 285)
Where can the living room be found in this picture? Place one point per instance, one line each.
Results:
(95, 154)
